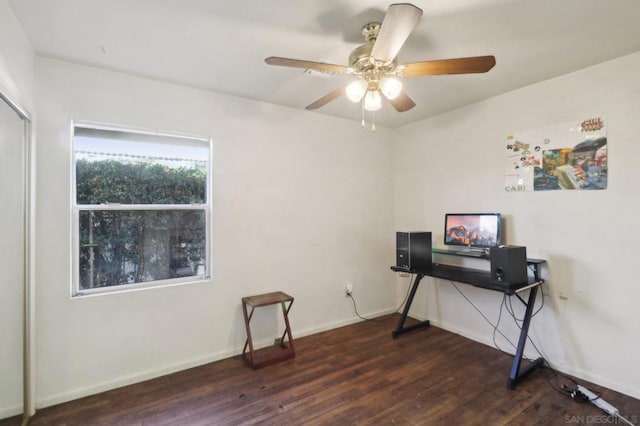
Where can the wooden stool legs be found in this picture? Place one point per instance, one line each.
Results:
(281, 350)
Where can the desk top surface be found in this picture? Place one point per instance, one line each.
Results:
(484, 254)
(475, 277)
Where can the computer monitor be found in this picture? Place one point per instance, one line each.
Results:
(480, 230)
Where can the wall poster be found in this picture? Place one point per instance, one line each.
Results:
(563, 156)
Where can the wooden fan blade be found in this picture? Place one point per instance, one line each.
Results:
(402, 102)
(398, 23)
(476, 64)
(327, 98)
(297, 63)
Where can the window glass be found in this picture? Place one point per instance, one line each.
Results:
(142, 209)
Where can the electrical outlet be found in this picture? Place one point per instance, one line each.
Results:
(348, 289)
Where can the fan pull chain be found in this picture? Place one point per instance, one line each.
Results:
(362, 109)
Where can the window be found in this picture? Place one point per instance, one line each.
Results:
(141, 209)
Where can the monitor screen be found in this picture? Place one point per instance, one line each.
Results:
(472, 229)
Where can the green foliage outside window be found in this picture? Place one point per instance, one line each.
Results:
(112, 181)
(125, 246)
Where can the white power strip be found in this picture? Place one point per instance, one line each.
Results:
(599, 402)
(602, 404)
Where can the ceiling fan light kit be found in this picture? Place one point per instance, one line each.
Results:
(374, 64)
(372, 100)
(390, 87)
(356, 90)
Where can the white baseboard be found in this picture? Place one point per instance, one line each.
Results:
(129, 380)
(342, 323)
(601, 381)
(158, 372)
(150, 374)
(10, 411)
(561, 367)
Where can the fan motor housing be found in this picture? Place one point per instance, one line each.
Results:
(360, 59)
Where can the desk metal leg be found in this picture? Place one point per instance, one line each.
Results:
(400, 329)
(516, 375)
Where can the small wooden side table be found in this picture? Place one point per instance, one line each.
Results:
(281, 350)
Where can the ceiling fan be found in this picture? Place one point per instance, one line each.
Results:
(375, 64)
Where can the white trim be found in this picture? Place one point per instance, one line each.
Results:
(10, 411)
(209, 213)
(125, 288)
(194, 362)
(22, 113)
(75, 291)
(28, 319)
(75, 217)
(132, 207)
(132, 379)
(532, 354)
(129, 129)
(29, 376)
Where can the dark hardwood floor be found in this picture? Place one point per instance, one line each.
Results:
(352, 375)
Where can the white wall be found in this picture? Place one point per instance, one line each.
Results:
(305, 204)
(16, 60)
(16, 83)
(455, 163)
(302, 203)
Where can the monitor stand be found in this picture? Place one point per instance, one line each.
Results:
(466, 252)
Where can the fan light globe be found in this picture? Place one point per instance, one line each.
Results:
(355, 91)
(372, 101)
(391, 87)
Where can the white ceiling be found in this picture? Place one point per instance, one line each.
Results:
(221, 45)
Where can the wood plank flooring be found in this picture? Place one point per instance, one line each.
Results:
(348, 376)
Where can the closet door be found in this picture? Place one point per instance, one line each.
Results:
(12, 259)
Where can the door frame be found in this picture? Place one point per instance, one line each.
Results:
(28, 201)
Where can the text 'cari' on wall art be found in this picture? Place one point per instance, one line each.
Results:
(563, 156)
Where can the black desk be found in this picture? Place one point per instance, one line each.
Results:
(482, 279)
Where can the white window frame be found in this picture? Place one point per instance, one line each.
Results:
(77, 208)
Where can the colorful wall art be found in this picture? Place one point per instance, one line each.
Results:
(566, 156)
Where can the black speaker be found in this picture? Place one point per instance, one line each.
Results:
(508, 265)
(413, 250)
